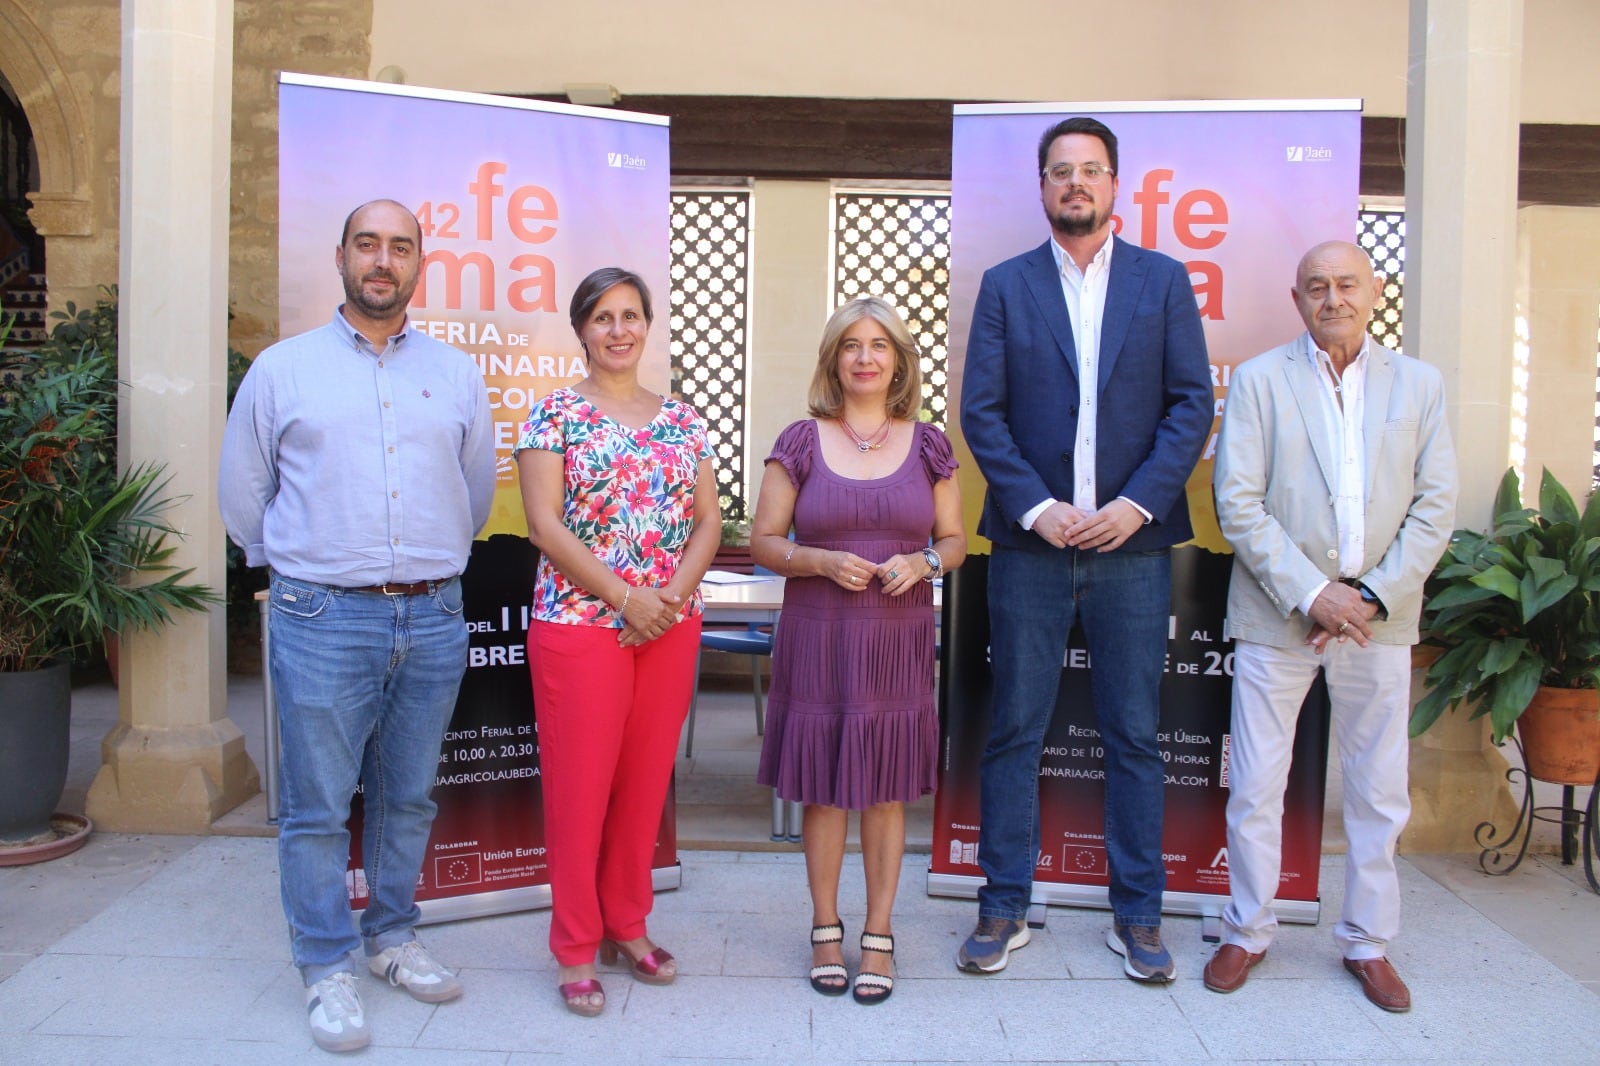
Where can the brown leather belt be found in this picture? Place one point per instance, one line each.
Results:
(400, 588)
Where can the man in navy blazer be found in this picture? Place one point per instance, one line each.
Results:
(1086, 401)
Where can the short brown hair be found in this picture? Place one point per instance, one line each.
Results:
(826, 396)
(596, 285)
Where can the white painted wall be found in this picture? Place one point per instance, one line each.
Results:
(958, 49)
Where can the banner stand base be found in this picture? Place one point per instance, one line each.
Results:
(483, 904)
(511, 900)
(666, 878)
(1049, 893)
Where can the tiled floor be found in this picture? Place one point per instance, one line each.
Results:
(182, 962)
(170, 950)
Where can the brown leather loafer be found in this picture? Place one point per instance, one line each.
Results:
(1381, 984)
(1230, 966)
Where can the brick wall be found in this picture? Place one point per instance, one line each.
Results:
(328, 37)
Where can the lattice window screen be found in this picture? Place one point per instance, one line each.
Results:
(710, 324)
(1383, 234)
(897, 246)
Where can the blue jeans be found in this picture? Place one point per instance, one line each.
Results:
(365, 686)
(1122, 601)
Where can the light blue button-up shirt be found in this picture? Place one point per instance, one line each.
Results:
(348, 465)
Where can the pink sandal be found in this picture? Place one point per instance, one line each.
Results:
(646, 969)
(589, 986)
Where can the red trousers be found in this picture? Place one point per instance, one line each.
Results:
(609, 719)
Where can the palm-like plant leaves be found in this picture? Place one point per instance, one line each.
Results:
(1514, 609)
(83, 549)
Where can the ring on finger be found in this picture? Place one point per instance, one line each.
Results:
(893, 574)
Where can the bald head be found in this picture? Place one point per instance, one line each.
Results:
(1335, 291)
(1333, 255)
(350, 219)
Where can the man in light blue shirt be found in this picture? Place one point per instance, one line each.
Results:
(358, 463)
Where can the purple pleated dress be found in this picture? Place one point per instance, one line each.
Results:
(851, 719)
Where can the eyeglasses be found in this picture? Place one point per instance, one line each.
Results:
(1089, 173)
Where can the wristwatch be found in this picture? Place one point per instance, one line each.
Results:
(931, 557)
(1368, 596)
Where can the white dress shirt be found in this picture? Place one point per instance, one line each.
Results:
(1346, 444)
(1085, 293)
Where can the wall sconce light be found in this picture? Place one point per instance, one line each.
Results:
(592, 93)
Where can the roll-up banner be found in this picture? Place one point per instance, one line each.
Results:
(1238, 191)
(518, 200)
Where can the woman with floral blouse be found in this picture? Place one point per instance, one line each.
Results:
(621, 501)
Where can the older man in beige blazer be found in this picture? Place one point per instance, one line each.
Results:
(1336, 485)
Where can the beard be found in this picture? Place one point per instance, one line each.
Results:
(1079, 225)
(355, 294)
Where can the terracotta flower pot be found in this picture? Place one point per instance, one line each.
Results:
(1560, 734)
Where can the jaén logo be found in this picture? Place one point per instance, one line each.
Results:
(625, 161)
(1305, 153)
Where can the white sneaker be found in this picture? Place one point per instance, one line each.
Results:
(334, 1009)
(409, 966)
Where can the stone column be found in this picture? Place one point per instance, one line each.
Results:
(175, 761)
(1558, 296)
(1462, 128)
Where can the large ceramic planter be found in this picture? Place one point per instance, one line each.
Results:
(1560, 734)
(35, 733)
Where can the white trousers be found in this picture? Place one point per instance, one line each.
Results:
(1370, 691)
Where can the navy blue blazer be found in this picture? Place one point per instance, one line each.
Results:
(1019, 394)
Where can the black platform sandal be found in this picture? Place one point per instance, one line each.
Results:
(874, 988)
(830, 978)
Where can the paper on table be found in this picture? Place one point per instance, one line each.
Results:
(727, 577)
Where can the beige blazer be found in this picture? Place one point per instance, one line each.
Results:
(1275, 481)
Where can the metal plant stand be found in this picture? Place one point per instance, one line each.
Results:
(1580, 828)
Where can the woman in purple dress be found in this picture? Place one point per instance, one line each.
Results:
(851, 721)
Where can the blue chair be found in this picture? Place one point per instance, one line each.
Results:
(753, 640)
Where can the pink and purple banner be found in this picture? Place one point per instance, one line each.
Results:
(1238, 191)
(518, 200)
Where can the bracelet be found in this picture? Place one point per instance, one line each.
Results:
(932, 557)
(790, 553)
(623, 606)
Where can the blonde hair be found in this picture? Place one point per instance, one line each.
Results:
(826, 396)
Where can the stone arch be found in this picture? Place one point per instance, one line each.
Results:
(63, 206)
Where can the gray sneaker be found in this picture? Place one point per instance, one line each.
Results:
(1143, 957)
(989, 947)
(333, 1007)
(409, 966)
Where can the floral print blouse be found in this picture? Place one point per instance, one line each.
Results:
(629, 498)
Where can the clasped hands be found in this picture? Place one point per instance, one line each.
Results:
(896, 574)
(650, 612)
(1340, 613)
(1106, 529)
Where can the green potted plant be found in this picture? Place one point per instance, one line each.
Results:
(83, 551)
(733, 550)
(1516, 612)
